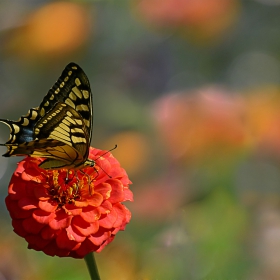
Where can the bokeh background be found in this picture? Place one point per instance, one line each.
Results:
(190, 92)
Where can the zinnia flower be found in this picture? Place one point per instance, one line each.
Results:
(69, 213)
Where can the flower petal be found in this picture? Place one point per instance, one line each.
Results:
(63, 242)
(15, 211)
(43, 217)
(53, 250)
(61, 220)
(32, 226)
(84, 227)
(99, 237)
(105, 207)
(18, 228)
(90, 214)
(117, 191)
(95, 199)
(36, 241)
(27, 203)
(107, 221)
(104, 189)
(85, 248)
(47, 206)
(48, 233)
(75, 235)
(71, 209)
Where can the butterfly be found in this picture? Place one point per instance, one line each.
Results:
(59, 129)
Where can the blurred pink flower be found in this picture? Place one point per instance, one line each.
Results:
(198, 123)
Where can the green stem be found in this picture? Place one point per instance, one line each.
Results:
(92, 267)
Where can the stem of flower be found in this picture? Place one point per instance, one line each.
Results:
(92, 267)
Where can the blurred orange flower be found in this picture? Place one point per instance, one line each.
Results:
(69, 214)
(202, 18)
(199, 124)
(58, 28)
(133, 152)
(263, 115)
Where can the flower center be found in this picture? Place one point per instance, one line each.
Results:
(67, 186)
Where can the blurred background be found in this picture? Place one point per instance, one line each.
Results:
(190, 92)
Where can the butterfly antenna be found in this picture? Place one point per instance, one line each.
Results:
(102, 156)
(107, 152)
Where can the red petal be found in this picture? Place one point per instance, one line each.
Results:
(117, 194)
(72, 209)
(18, 228)
(43, 217)
(83, 227)
(108, 220)
(104, 189)
(16, 188)
(90, 214)
(40, 192)
(73, 234)
(47, 206)
(128, 195)
(32, 226)
(63, 242)
(81, 203)
(53, 250)
(99, 237)
(121, 214)
(37, 241)
(27, 203)
(61, 220)
(85, 248)
(15, 211)
(109, 240)
(105, 207)
(95, 199)
(48, 233)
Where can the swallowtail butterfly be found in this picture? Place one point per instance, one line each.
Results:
(60, 128)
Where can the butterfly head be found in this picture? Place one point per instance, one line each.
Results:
(89, 162)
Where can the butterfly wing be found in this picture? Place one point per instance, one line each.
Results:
(57, 154)
(73, 89)
(21, 131)
(65, 125)
(60, 128)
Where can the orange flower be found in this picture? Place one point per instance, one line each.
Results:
(69, 213)
(202, 19)
(53, 30)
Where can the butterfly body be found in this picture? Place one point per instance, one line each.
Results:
(59, 129)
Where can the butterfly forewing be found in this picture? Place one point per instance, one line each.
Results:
(60, 128)
(73, 89)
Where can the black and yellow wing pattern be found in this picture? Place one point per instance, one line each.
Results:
(59, 129)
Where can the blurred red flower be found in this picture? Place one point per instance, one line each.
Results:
(69, 213)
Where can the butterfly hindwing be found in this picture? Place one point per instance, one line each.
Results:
(21, 131)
